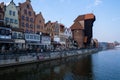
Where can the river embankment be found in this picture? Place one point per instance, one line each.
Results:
(22, 59)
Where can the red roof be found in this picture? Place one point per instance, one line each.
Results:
(85, 17)
(76, 25)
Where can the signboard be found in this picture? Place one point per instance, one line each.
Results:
(19, 41)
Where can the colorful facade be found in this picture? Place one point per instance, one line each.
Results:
(1, 12)
(39, 23)
(21, 28)
(68, 36)
(11, 15)
(26, 17)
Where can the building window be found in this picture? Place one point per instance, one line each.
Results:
(27, 31)
(2, 31)
(31, 36)
(23, 18)
(22, 24)
(14, 35)
(39, 21)
(27, 36)
(31, 26)
(8, 32)
(13, 13)
(11, 20)
(30, 13)
(25, 11)
(10, 12)
(31, 20)
(27, 19)
(27, 25)
(38, 26)
(7, 19)
(16, 22)
(28, 6)
(20, 36)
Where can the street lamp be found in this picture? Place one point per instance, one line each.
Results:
(40, 36)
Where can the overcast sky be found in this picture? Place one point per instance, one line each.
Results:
(106, 27)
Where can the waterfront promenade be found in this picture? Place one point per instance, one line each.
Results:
(26, 58)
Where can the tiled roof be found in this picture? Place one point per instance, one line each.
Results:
(24, 5)
(76, 25)
(85, 17)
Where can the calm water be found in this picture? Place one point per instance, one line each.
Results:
(104, 65)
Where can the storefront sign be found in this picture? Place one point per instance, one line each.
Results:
(19, 41)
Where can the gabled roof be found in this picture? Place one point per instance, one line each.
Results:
(2, 7)
(76, 25)
(39, 15)
(25, 3)
(85, 17)
(12, 3)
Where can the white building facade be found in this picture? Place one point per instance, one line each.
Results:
(11, 15)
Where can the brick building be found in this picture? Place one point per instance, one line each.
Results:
(49, 29)
(26, 17)
(1, 13)
(39, 23)
(82, 29)
(78, 33)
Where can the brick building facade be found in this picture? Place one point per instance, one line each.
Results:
(2, 11)
(26, 17)
(82, 29)
(39, 23)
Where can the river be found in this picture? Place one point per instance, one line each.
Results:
(103, 65)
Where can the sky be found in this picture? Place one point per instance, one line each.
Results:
(106, 28)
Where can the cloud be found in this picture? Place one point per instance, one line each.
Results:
(7, 3)
(92, 5)
(97, 2)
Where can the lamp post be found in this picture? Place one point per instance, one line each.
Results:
(40, 36)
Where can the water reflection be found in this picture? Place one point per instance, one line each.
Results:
(74, 68)
(106, 65)
(100, 66)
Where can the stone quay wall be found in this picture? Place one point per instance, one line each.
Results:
(15, 59)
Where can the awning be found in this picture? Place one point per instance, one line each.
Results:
(6, 41)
